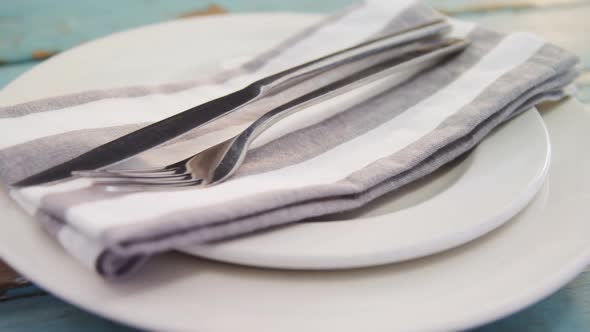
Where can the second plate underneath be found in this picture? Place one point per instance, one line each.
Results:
(455, 205)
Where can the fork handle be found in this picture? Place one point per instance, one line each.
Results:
(416, 57)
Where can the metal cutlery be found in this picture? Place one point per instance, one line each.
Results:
(283, 94)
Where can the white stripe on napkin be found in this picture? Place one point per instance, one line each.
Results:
(335, 164)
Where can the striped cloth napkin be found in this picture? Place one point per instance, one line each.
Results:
(335, 157)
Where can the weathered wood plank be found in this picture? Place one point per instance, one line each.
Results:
(34, 29)
(49, 314)
(8, 278)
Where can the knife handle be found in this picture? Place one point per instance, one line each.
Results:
(148, 137)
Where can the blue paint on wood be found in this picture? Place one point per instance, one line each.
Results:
(28, 26)
(49, 314)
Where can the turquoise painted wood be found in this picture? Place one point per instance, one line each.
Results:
(49, 314)
(568, 310)
(29, 26)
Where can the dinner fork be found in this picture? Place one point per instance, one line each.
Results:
(324, 78)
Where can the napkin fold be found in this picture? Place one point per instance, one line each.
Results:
(332, 157)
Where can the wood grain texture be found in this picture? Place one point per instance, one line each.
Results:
(211, 10)
(7, 276)
(31, 28)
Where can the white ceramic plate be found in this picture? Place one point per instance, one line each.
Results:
(460, 288)
(452, 208)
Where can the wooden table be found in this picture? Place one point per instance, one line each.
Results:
(32, 30)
